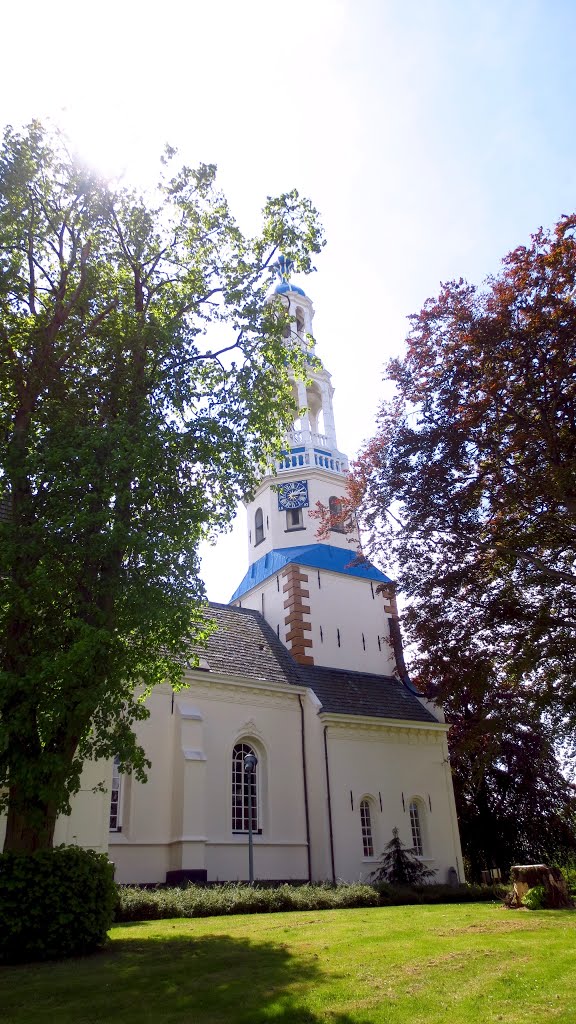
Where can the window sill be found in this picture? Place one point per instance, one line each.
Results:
(255, 832)
(294, 529)
(258, 542)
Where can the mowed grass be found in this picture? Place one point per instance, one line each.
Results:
(458, 964)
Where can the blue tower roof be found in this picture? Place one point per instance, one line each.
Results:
(316, 556)
(286, 286)
(283, 268)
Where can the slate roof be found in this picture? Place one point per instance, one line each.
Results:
(343, 692)
(316, 556)
(245, 645)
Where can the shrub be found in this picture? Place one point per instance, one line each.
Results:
(399, 865)
(397, 895)
(535, 899)
(54, 903)
(237, 898)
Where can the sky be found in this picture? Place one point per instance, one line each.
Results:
(433, 137)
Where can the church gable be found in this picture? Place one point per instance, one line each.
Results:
(244, 645)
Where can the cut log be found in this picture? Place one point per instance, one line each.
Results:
(527, 876)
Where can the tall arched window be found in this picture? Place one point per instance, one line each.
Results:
(366, 825)
(258, 526)
(416, 826)
(244, 791)
(299, 321)
(116, 798)
(335, 507)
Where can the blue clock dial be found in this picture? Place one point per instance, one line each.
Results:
(293, 495)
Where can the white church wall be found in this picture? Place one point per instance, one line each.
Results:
(182, 817)
(343, 611)
(268, 599)
(342, 608)
(319, 821)
(396, 765)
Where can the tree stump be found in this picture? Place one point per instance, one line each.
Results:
(527, 876)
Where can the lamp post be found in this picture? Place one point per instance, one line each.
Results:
(250, 762)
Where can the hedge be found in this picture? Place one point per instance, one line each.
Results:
(54, 903)
(137, 904)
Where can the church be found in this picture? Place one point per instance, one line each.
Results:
(303, 680)
(304, 671)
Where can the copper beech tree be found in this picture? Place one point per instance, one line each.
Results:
(467, 491)
(144, 383)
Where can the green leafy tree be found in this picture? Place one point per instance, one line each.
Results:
(144, 384)
(399, 865)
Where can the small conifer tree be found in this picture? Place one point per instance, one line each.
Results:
(399, 865)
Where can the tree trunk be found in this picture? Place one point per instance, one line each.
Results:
(27, 833)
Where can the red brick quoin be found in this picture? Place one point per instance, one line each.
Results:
(295, 594)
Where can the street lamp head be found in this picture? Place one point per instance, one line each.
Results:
(250, 762)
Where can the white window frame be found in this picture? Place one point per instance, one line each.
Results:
(291, 515)
(367, 828)
(242, 785)
(259, 534)
(417, 827)
(115, 817)
(335, 508)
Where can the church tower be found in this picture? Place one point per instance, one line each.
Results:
(326, 605)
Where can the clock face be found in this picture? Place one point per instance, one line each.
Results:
(293, 495)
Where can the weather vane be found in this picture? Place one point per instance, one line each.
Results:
(283, 268)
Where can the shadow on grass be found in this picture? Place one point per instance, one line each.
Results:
(179, 980)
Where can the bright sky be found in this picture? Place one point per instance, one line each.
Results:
(433, 137)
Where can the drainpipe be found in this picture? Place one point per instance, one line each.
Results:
(305, 778)
(329, 806)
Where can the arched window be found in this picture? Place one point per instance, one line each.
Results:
(416, 826)
(366, 825)
(299, 321)
(244, 791)
(116, 798)
(336, 509)
(258, 526)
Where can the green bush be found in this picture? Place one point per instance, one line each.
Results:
(54, 903)
(535, 899)
(396, 895)
(236, 898)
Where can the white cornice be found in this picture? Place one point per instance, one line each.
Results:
(212, 679)
(375, 722)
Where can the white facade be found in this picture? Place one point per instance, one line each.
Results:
(304, 670)
(346, 751)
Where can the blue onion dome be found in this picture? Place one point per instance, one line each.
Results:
(284, 268)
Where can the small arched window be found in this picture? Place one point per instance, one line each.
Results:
(336, 510)
(258, 526)
(416, 826)
(244, 790)
(366, 825)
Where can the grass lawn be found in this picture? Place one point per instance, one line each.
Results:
(462, 964)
